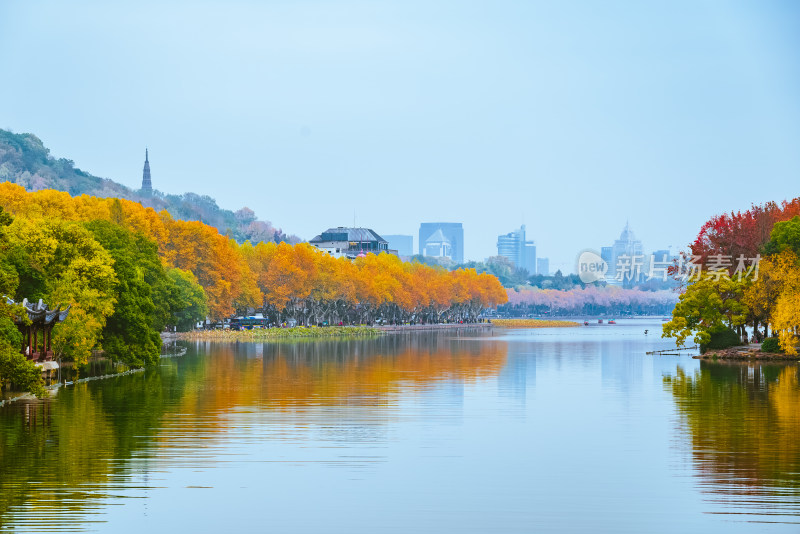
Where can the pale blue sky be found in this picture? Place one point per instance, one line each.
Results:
(573, 116)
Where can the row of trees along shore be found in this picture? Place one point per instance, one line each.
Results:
(129, 271)
(589, 300)
(716, 307)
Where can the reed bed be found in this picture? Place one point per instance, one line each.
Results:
(266, 334)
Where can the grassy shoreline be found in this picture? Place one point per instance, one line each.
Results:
(266, 334)
(533, 323)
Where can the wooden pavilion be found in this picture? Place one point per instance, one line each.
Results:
(37, 334)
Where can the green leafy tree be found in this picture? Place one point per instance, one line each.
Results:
(9, 280)
(63, 264)
(189, 300)
(5, 218)
(707, 307)
(18, 370)
(785, 235)
(505, 271)
(14, 367)
(131, 333)
(74, 338)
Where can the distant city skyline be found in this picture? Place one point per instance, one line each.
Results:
(441, 239)
(517, 248)
(569, 118)
(404, 244)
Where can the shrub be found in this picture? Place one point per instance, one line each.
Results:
(722, 340)
(771, 344)
(22, 373)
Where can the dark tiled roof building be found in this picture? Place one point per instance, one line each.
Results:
(350, 242)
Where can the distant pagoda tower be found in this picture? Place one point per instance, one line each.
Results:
(147, 185)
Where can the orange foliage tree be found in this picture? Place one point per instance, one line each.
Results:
(285, 281)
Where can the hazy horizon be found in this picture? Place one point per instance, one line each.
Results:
(571, 119)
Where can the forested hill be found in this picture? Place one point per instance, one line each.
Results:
(25, 160)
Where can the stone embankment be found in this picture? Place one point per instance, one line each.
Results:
(745, 353)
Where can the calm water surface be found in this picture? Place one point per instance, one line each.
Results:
(552, 430)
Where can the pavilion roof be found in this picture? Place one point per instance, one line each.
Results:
(38, 312)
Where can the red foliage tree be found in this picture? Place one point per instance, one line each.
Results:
(742, 233)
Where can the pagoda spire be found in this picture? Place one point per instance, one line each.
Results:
(147, 184)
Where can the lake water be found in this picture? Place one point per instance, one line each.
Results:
(550, 430)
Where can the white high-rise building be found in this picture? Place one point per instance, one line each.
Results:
(515, 247)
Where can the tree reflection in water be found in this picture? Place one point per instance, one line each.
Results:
(744, 426)
(61, 458)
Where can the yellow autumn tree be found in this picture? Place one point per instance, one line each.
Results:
(782, 271)
(298, 281)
